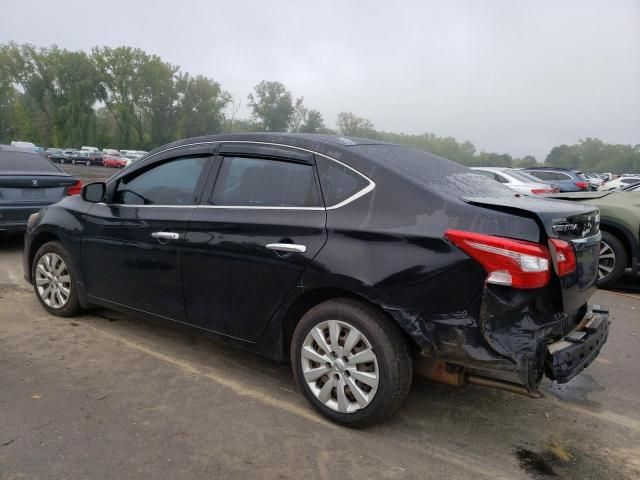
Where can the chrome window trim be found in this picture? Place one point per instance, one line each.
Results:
(346, 201)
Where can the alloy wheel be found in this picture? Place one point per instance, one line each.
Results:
(53, 280)
(607, 260)
(340, 366)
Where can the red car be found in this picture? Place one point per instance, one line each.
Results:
(114, 161)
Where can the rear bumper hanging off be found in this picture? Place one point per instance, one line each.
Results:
(568, 356)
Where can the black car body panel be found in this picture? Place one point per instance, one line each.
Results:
(382, 242)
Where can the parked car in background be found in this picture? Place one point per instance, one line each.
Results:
(114, 161)
(593, 179)
(65, 156)
(517, 180)
(28, 182)
(89, 149)
(619, 183)
(567, 180)
(348, 258)
(49, 152)
(620, 226)
(133, 154)
(20, 144)
(110, 151)
(88, 158)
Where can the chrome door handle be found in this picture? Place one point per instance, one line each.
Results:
(287, 247)
(166, 235)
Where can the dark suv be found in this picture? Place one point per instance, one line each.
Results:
(351, 258)
(567, 180)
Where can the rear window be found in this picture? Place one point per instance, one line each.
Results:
(522, 176)
(25, 162)
(437, 173)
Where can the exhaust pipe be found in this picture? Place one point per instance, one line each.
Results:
(441, 372)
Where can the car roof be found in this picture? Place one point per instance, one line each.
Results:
(311, 141)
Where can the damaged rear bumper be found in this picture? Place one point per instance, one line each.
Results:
(567, 357)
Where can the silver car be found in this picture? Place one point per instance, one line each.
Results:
(518, 180)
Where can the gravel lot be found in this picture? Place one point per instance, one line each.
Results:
(89, 174)
(109, 396)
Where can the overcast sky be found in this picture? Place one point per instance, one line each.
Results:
(510, 76)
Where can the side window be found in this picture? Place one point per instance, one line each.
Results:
(170, 183)
(559, 176)
(338, 182)
(540, 175)
(500, 178)
(265, 183)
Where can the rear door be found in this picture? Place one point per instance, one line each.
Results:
(258, 228)
(132, 243)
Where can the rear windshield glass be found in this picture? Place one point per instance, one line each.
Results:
(25, 162)
(525, 177)
(437, 173)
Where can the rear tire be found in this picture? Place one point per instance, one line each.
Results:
(612, 262)
(351, 363)
(54, 280)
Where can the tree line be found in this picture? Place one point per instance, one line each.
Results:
(125, 98)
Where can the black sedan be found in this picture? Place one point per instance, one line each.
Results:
(28, 182)
(353, 259)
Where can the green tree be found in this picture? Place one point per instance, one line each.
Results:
(7, 97)
(313, 123)
(272, 106)
(351, 125)
(526, 161)
(123, 90)
(298, 116)
(159, 100)
(201, 106)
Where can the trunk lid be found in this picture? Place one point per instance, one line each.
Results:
(26, 193)
(577, 224)
(29, 188)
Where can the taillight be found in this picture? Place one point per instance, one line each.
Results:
(564, 260)
(582, 185)
(75, 189)
(542, 191)
(514, 263)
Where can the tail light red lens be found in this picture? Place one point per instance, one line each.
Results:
(542, 191)
(582, 185)
(75, 189)
(564, 260)
(509, 262)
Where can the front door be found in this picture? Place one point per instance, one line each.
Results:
(248, 244)
(132, 243)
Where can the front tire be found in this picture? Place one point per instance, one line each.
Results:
(352, 364)
(54, 280)
(612, 261)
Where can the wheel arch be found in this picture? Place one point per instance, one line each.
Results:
(622, 234)
(39, 241)
(306, 301)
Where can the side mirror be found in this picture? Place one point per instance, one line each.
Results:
(94, 192)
